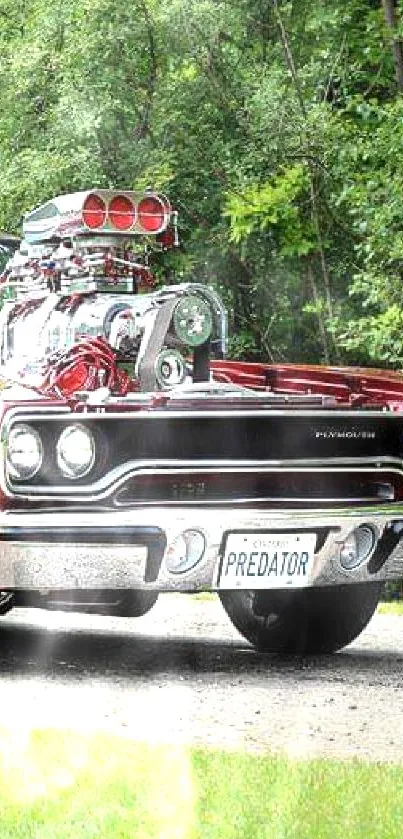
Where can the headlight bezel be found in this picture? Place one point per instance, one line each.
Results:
(11, 471)
(65, 471)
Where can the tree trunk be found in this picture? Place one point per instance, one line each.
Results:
(315, 296)
(391, 22)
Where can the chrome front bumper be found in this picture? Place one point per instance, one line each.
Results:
(127, 550)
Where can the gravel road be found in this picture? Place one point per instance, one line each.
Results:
(182, 674)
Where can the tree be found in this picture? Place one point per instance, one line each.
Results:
(274, 125)
(391, 23)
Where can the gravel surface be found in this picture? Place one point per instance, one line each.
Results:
(182, 674)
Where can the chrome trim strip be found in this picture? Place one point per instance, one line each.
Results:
(113, 480)
(278, 502)
(97, 412)
(94, 412)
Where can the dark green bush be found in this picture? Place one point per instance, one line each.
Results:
(393, 590)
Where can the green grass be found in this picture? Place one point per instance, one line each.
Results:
(206, 596)
(394, 607)
(58, 785)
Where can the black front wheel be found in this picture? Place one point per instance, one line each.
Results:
(135, 604)
(303, 622)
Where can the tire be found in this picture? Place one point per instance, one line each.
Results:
(134, 604)
(308, 621)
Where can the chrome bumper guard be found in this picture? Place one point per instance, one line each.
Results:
(128, 549)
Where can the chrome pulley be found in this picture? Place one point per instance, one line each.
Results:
(170, 369)
(192, 320)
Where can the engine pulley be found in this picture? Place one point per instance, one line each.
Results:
(192, 321)
(170, 369)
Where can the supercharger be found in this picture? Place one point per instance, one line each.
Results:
(75, 278)
(154, 332)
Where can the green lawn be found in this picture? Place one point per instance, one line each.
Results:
(394, 607)
(55, 785)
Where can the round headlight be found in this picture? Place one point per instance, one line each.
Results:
(75, 451)
(24, 452)
(185, 551)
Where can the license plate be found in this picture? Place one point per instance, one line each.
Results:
(267, 560)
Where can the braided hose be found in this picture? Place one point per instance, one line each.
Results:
(86, 366)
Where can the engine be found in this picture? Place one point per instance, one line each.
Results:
(80, 308)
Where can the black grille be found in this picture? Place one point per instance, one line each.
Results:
(272, 436)
(264, 489)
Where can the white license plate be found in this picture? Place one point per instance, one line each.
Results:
(267, 560)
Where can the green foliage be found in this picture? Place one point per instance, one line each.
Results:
(275, 128)
(273, 207)
(393, 592)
